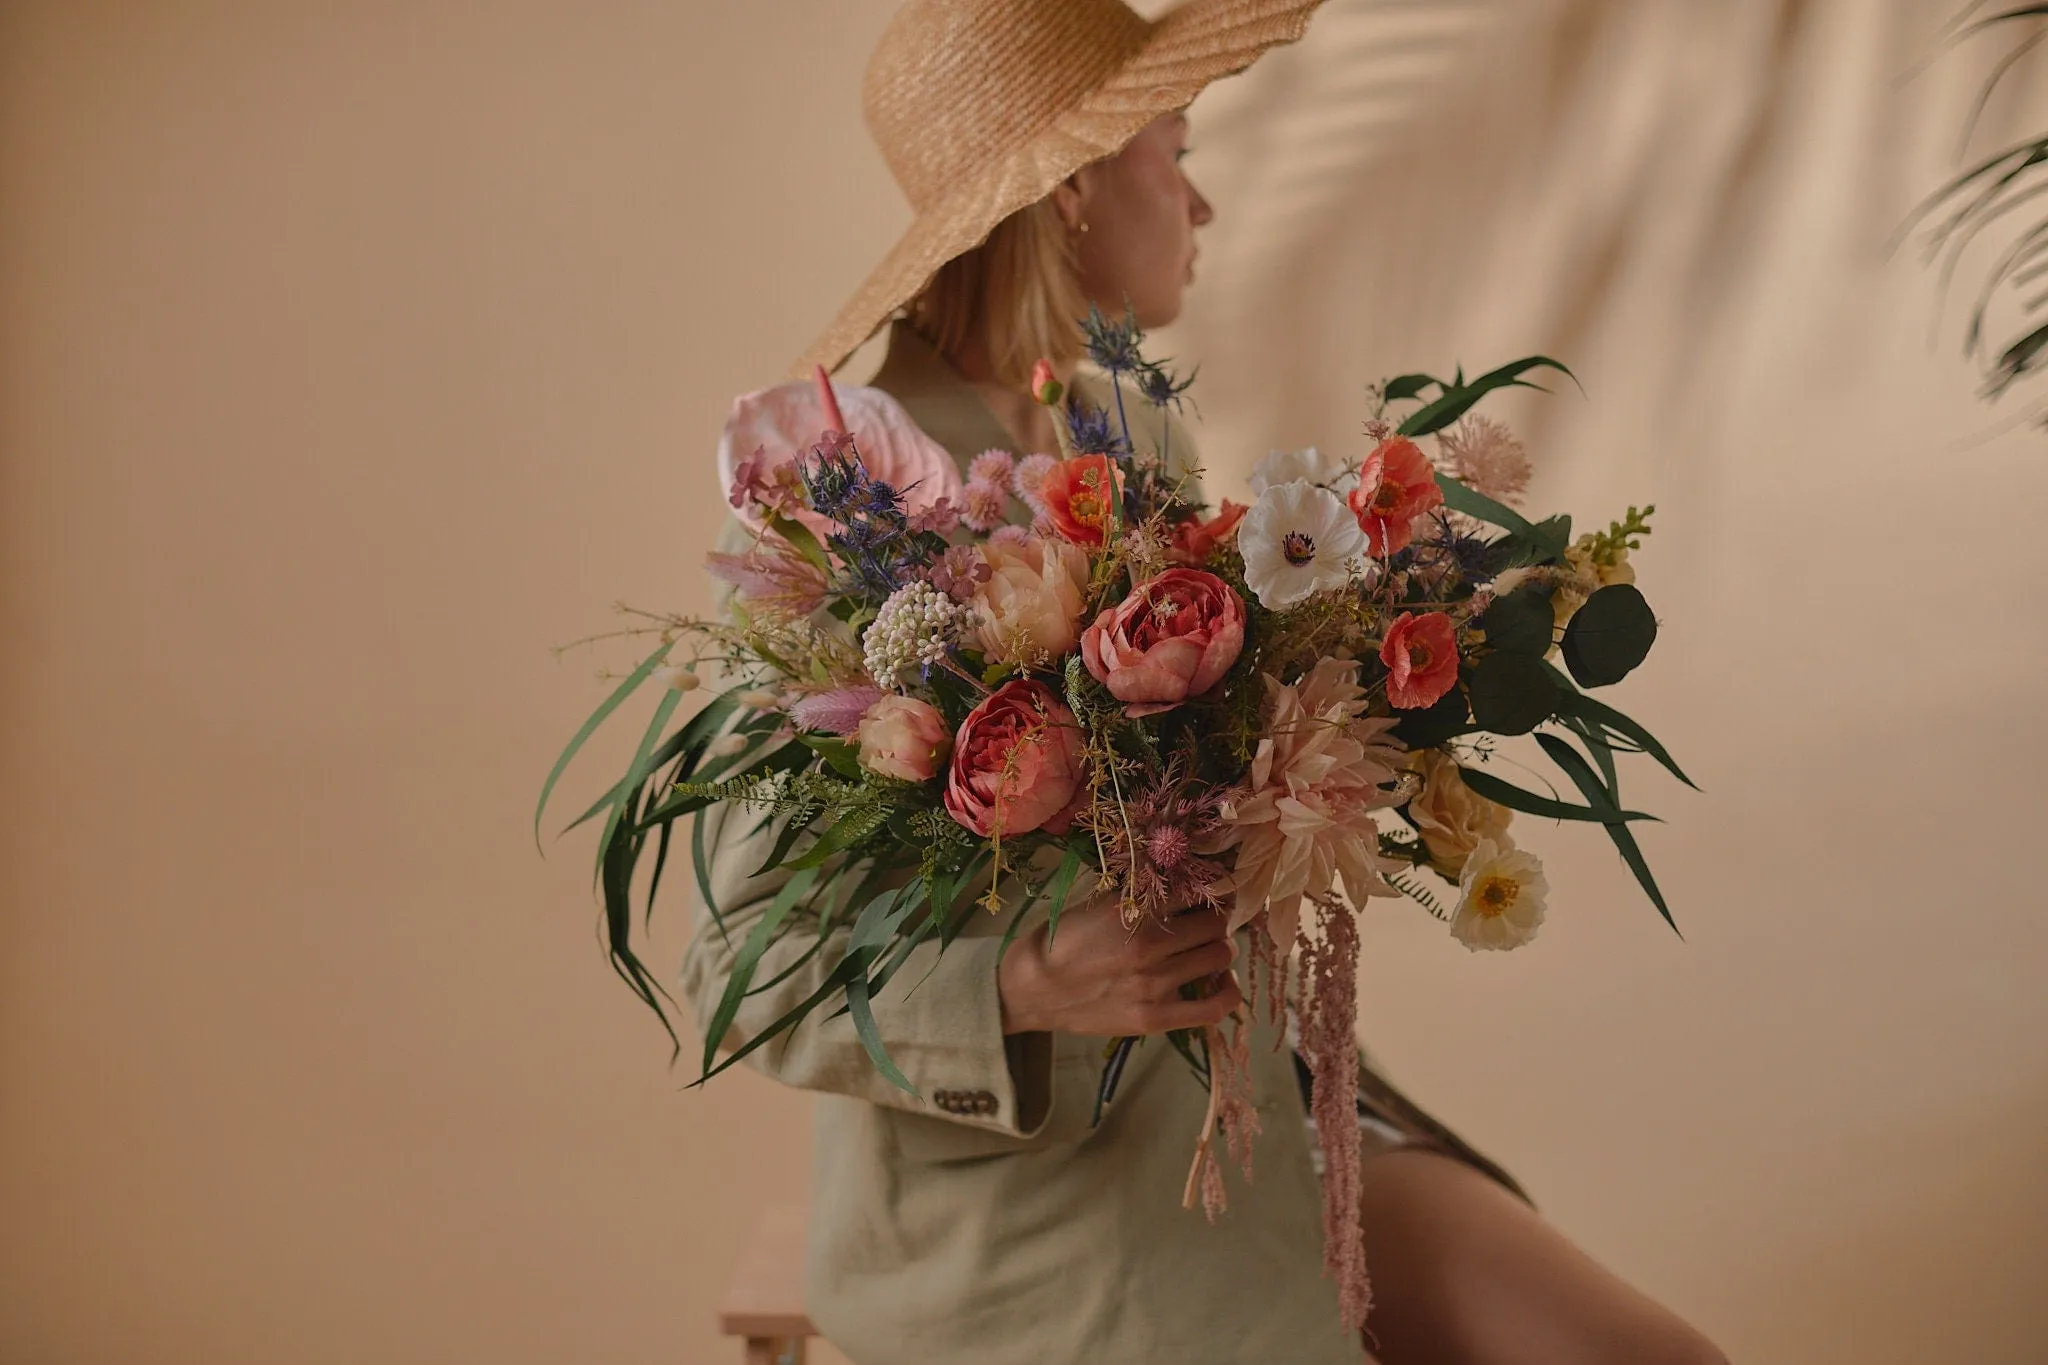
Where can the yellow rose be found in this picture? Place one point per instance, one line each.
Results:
(1029, 610)
(1453, 818)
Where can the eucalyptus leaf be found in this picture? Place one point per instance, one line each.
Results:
(1435, 725)
(1511, 693)
(1609, 636)
(1521, 622)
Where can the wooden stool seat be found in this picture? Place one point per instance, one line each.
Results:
(765, 1303)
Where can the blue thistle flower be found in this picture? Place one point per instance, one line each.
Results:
(1113, 345)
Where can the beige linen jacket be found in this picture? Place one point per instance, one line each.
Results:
(984, 1219)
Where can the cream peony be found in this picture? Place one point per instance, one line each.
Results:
(1304, 814)
(1029, 609)
(1453, 818)
(1501, 898)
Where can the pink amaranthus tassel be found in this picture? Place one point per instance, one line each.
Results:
(1231, 1111)
(1329, 1040)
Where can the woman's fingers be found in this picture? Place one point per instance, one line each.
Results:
(1189, 929)
(1210, 1009)
(1206, 959)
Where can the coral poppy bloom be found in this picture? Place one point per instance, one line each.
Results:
(1084, 499)
(1192, 541)
(1421, 655)
(1396, 484)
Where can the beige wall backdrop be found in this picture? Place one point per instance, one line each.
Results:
(353, 355)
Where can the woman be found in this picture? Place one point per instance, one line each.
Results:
(1040, 141)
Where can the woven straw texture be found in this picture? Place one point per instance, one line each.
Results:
(980, 107)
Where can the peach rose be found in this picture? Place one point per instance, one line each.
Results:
(1084, 498)
(1421, 655)
(1028, 610)
(1174, 637)
(903, 737)
(1452, 817)
(1194, 540)
(1396, 484)
(1017, 764)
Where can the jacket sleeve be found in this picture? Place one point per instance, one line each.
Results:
(939, 1016)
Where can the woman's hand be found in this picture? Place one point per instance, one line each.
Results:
(1098, 978)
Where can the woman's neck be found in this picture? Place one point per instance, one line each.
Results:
(1029, 422)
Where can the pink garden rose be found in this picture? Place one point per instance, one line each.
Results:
(903, 737)
(1421, 655)
(1396, 484)
(1017, 764)
(1174, 637)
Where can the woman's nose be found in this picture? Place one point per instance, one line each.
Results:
(1199, 211)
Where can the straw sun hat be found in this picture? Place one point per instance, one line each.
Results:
(981, 107)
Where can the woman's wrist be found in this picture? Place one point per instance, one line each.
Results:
(1017, 979)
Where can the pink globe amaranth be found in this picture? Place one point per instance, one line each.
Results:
(903, 737)
(1017, 764)
(1421, 655)
(1173, 638)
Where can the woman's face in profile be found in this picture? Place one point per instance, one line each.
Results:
(1142, 212)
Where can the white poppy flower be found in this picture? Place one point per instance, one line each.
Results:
(1298, 539)
(1501, 897)
(1293, 466)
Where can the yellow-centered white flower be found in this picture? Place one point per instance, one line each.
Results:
(1502, 894)
(1298, 540)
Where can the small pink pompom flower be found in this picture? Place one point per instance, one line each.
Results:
(993, 466)
(983, 506)
(1029, 481)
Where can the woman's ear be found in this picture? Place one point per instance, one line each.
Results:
(1070, 199)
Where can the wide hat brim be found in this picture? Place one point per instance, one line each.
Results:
(1196, 43)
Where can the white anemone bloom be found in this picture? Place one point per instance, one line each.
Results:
(1294, 466)
(1297, 540)
(1501, 897)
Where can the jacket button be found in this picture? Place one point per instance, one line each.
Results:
(984, 1102)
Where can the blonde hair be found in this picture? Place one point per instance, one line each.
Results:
(1020, 290)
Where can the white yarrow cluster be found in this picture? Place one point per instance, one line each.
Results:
(913, 630)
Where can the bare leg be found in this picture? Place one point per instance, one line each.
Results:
(1465, 1274)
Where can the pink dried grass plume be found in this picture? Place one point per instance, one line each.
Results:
(837, 712)
(1483, 454)
(1329, 1042)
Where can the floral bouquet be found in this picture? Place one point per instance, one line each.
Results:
(955, 696)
